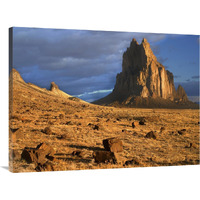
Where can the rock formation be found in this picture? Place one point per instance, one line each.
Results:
(55, 89)
(15, 75)
(143, 81)
(180, 94)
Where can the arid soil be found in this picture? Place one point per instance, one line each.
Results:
(77, 130)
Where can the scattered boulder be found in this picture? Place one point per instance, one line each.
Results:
(113, 145)
(162, 129)
(151, 134)
(62, 137)
(131, 162)
(104, 157)
(190, 145)
(37, 155)
(135, 123)
(135, 134)
(69, 123)
(142, 122)
(48, 131)
(61, 116)
(48, 150)
(96, 127)
(28, 154)
(182, 132)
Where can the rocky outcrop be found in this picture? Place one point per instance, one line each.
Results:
(55, 89)
(143, 79)
(113, 145)
(15, 75)
(181, 94)
(142, 75)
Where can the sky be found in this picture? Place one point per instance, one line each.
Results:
(85, 63)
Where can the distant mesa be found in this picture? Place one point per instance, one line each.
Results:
(144, 82)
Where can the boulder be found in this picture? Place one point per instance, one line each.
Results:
(113, 145)
(151, 134)
(47, 149)
(47, 131)
(104, 157)
(131, 162)
(96, 127)
(162, 129)
(29, 155)
(37, 155)
(182, 132)
(135, 123)
(142, 122)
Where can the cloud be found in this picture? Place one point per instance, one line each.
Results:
(94, 95)
(195, 77)
(81, 62)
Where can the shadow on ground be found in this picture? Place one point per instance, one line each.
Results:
(86, 147)
(5, 167)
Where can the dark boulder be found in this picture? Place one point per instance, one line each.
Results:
(113, 145)
(104, 157)
(151, 134)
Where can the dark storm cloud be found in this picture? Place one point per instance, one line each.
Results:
(78, 61)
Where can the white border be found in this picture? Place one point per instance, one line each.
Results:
(141, 16)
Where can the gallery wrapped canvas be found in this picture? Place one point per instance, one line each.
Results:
(84, 99)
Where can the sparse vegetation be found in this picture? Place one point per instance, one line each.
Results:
(77, 135)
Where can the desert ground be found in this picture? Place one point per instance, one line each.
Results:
(77, 129)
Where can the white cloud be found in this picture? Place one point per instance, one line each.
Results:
(95, 92)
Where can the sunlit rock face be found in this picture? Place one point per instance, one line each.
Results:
(142, 75)
(144, 82)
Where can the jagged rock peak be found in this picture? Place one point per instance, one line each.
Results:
(181, 94)
(147, 48)
(134, 42)
(15, 75)
(144, 82)
(142, 75)
(54, 86)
